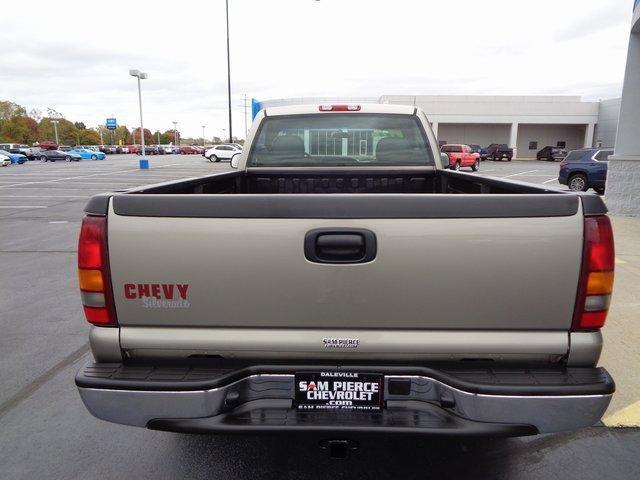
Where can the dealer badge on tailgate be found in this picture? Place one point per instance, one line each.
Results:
(339, 391)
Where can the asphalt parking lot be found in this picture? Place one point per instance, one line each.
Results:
(45, 432)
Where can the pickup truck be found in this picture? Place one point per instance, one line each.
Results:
(498, 151)
(461, 156)
(312, 288)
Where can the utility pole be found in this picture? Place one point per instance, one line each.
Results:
(158, 137)
(229, 74)
(175, 134)
(55, 129)
(203, 127)
(101, 140)
(245, 116)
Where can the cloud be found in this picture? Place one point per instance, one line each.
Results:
(295, 48)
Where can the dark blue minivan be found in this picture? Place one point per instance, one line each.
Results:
(585, 169)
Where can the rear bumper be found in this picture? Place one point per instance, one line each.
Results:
(419, 400)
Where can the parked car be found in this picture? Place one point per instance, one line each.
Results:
(108, 149)
(498, 151)
(585, 168)
(475, 148)
(14, 157)
(87, 154)
(328, 305)
(150, 150)
(198, 148)
(551, 153)
(484, 154)
(48, 145)
(53, 155)
(461, 156)
(64, 148)
(133, 148)
(222, 152)
(5, 160)
(187, 150)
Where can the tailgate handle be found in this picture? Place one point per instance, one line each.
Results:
(340, 245)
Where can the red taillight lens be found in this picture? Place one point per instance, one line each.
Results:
(596, 276)
(340, 108)
(93, 272)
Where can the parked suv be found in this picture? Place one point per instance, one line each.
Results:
(551, 153)
(222, 152)
(584, 169)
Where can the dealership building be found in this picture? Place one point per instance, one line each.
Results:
(525, 123)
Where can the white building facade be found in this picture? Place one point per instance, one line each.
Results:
(623, 176)
(525, 123)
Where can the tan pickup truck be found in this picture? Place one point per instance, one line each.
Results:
(338, 280)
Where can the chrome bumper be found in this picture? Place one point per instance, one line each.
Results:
(545, 413)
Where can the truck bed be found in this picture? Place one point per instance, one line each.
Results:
(263, 192)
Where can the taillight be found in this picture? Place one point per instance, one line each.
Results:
(339, 108)
(93, 272)
(596, 276)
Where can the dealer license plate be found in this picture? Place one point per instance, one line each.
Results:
(339, 391)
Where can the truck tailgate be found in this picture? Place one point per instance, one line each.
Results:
(428, 274)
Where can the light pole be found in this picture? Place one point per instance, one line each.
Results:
(229, 74)
(140, 76)
(55, 129)
(175, 137)
(101, 140)
(203, 127)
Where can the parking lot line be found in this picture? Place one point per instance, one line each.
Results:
(23, 206)
(81, 176)
(552, 180)
(44, 196)
(627, 417)
(517, 174)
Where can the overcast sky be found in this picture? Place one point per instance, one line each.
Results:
(74, 56)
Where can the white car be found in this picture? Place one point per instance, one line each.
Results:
(5, 160)
(222, 152)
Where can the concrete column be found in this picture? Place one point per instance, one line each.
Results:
(623, 176)
(513, 139)
(588, 135)
(434, 127)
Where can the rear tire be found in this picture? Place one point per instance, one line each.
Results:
(67, 159)
(456, 166)
(508, 159)
(578, 182)
(94, 157)
(475, 166)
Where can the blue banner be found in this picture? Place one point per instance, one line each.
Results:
(111, 123)
(255, 108)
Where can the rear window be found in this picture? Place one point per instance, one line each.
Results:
(451, 148)
(577, 156)
(341, 140)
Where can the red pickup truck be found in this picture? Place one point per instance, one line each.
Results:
(461, 156)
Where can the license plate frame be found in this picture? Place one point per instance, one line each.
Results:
(339, 391)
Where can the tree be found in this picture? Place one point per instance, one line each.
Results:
(80, 125)
(169, 135)
(89, 137)
(9, 110)
(135, 138)
(121, 134)
(19, 129)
